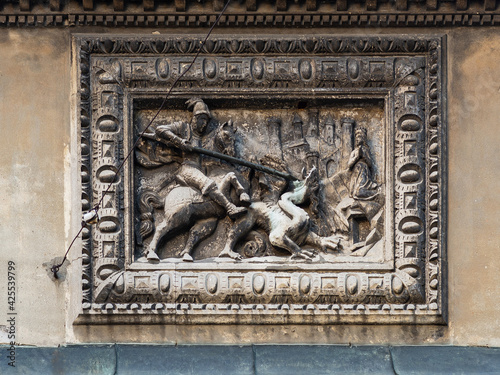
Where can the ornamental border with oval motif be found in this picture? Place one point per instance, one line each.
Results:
(413, 293)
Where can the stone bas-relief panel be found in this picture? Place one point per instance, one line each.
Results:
(340, 198)
(284, 181)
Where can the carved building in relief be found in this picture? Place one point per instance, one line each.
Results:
(285, 178)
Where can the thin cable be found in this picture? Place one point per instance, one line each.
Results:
(162, 105)
(55, 268)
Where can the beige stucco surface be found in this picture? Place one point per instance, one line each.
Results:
(34, 136)
(39, 203)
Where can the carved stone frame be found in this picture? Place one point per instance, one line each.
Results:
(410, 288)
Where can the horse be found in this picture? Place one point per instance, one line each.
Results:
(186, 208)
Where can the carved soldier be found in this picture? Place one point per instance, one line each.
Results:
(185, 136)
(360, 164)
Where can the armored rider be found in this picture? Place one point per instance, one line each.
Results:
(185, 137)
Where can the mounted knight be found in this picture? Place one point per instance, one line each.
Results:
(181, 139)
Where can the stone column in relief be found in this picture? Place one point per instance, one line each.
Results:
(329, 131)
(274, 131)
(312, 130)
(298, 133)
(299, 147)
(347, 126)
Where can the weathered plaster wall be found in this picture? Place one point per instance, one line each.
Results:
(39, 205)
(34, 151)
(474, 187)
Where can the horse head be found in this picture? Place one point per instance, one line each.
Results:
(225, 138)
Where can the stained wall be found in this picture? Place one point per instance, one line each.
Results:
(40, 201)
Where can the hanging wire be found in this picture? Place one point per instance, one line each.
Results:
(93, 214)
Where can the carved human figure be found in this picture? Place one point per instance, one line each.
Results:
(360, 164)
(186, 136)
(180, 212)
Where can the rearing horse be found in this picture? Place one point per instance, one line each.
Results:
(185, 207)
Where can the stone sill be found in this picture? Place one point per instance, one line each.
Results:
(251, 359)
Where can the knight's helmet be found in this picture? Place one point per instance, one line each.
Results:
(198, 107)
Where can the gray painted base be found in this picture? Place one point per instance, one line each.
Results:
(255, 359)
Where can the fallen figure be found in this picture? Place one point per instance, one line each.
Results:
(287, 225)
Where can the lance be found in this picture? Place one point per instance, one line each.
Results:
(244, 162)
(232, 159)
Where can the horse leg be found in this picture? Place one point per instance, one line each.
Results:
(237, 231)
(168, 225)
(229, 180)
(198, 233)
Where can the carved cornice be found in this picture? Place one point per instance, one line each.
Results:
(279, 13)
